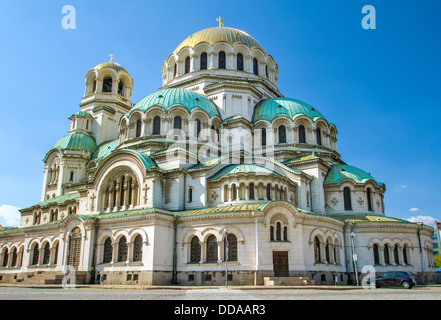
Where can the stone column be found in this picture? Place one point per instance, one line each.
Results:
(219, 251)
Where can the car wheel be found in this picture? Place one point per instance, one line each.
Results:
(406, 285)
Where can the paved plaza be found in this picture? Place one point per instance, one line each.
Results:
(223, 294)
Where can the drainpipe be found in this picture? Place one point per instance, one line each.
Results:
(256, 248)
(175, 257)
(421, 248)
(310, 196)
(346, 249)
(92, 274)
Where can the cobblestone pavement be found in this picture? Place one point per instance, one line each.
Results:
(417, 293)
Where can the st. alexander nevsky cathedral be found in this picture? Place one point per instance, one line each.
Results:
(214, 178)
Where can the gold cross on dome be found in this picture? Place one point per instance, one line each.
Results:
(111, 57)
(220, 21)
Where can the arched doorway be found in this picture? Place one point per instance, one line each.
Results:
(74, 246)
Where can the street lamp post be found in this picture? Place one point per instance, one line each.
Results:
(354, 257)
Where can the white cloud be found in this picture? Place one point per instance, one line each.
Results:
(414, 209)
(403, 186)
(9, 216)
(427, 220)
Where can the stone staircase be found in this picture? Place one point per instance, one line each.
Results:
(287, 281)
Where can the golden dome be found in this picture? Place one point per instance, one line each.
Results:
(219, 34)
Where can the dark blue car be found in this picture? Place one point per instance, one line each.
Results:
(395, 279)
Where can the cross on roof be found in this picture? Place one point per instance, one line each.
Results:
(111, 57)
(220, 21)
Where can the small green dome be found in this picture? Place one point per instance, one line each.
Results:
(171, 97)
(271, 108)
(113, 65)
(242, 168)
(339, 172)
(76, 141)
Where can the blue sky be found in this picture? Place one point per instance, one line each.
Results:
(381, 88)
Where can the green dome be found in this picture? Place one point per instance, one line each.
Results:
(171, 97)
(105, 149)
(339, 172)
(242, 168)
(76, 141)
(292, 108)
(113, 65)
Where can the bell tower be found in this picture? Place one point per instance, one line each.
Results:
(106, 98)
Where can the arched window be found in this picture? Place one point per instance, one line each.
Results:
(282, 134)
(272, 233)
(175, 70)
(46, 254)
(336, 253)
(137, 248)
(255, 67)
(386, 254)
(319, 136)
(71, 176)
(121, 88)
(138, 128)
(5, 258)
(369, 199)
(222, 60)
(36, 254)
(211, 249)
(240, 62)
(54, 215)
(233, 192)
(302, 135)
(347, 199)
(376, 255)
(317, 253)
(108, 251)
(251, 191)
(122, 191)
(226, 193)
(190, 194)
(285, 233)
(56, 253)
(203, 61)
(405, 259)
(268, 192)
(230, 242)
(156, 125)
(263, 137)
(187, 65)
(107, 85)
(14, 258)
(327, 251)
(195, 250)
(197, 128)
(177, 123)
(396, 260)
(122, 249)
(278, 231)
(130, 187)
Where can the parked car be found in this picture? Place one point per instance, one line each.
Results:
(395, 279)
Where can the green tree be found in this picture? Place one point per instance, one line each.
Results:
(437, 260)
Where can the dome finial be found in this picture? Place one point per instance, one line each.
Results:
(111, 57)
(220, 21)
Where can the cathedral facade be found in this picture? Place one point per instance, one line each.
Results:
(215, 177)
